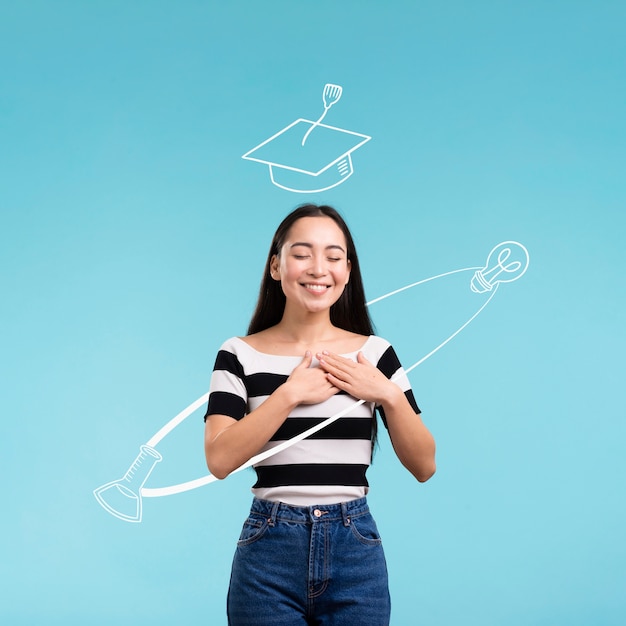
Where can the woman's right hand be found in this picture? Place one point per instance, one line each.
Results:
(309, 385)
(229, 443)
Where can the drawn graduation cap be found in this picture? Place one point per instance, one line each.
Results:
(306, 156)
(323, 162)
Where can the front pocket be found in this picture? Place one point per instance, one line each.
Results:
(365, 530)
(253, 529)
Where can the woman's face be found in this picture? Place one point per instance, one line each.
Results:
(312, 265)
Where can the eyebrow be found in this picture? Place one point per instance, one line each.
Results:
(308, 245)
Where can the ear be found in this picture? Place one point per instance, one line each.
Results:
(349, 270)
(275, 267)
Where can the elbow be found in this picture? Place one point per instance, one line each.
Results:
(218, 469)
(422, 467)
(218, 472)
(428, 466)
(425, 473)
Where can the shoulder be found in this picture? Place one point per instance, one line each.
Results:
(233, 345)
(375, 345)
(242, 349)
(230, 357)
(381, 353)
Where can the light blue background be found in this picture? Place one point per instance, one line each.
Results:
(132, 242)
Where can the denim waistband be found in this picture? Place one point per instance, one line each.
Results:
(279, 511)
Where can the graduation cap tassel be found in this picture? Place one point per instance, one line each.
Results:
(331, 94)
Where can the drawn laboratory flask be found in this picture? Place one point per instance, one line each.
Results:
(443, 303)
(122, 497)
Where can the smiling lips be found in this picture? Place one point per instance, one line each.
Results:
(316, 287)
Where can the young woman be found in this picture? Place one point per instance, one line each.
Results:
(309, 552)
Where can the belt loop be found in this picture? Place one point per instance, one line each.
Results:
(274, 512)
(344, 514)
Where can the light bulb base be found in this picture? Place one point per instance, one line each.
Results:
(478, 283)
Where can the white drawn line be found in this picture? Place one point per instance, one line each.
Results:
(365, 139)
(453, 335)
(420, 282)
(123, 498)
(338, 182)
(182, 487)
(175, 421)
(330, 95)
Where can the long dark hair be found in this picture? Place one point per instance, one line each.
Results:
(349, 312)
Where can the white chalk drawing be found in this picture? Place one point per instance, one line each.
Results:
(122, 498)
(505, 263)
(331, 94)
(307, 156)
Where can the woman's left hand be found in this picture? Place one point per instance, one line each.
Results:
(411, 440)
(359, 378)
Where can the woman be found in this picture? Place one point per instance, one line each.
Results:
(309, 552)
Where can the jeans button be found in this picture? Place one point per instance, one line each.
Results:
(317, 513)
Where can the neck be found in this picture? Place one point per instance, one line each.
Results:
(309, 328)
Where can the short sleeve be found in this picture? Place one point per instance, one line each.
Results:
(227, 391)
(390, 366)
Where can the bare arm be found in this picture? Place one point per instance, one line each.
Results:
(411, 440)
(229, 443)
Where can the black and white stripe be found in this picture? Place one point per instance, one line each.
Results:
(327, 467)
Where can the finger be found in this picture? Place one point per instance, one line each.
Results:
(334, 357)
(332, 388)
(335, 361)
(331, 368)
(335, 391)
(338, 382)
(360, 357)
(306, 360)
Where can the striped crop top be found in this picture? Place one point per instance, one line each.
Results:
(326, 467)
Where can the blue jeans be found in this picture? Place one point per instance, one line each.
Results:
(321, 565)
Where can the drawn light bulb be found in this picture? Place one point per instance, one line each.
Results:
(505, 263)
(122, 497)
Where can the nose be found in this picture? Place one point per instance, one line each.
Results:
(318, 266)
